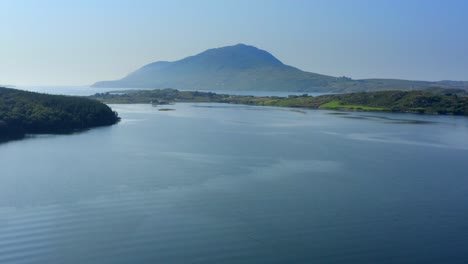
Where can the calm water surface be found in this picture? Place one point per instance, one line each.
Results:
(218, 183)
(87, 90)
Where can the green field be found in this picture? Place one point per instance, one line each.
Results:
(335, 105)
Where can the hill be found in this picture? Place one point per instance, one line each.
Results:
(24, 112)
(243, 67)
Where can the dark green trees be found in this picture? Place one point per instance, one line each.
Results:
(24, 112)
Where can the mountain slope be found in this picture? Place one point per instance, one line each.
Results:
(243, 67)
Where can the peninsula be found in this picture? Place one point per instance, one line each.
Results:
(23, 112)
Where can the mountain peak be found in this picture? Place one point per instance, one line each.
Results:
(239, 66)
(241, 46)
(239, 56)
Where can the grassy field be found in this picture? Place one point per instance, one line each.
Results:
(335, 105)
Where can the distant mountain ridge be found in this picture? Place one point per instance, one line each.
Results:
(244, 67)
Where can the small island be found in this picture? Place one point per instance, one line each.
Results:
(436, 101)
(23, 112)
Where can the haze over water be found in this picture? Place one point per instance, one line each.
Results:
(219, 183)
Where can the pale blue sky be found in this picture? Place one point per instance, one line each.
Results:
(80, 42)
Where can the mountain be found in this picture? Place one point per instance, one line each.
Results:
(244, 67)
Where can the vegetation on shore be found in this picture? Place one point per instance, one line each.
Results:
(23, 112)
(391, 101)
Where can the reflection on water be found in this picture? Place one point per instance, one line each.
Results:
(396, 139)
(214, 183)
(386, 118)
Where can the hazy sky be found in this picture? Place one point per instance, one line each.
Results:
(80, 42)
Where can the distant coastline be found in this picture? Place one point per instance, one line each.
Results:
(420, 102)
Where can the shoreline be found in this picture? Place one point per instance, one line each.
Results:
(414, 102)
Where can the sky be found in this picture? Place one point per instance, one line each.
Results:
(80, 42)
